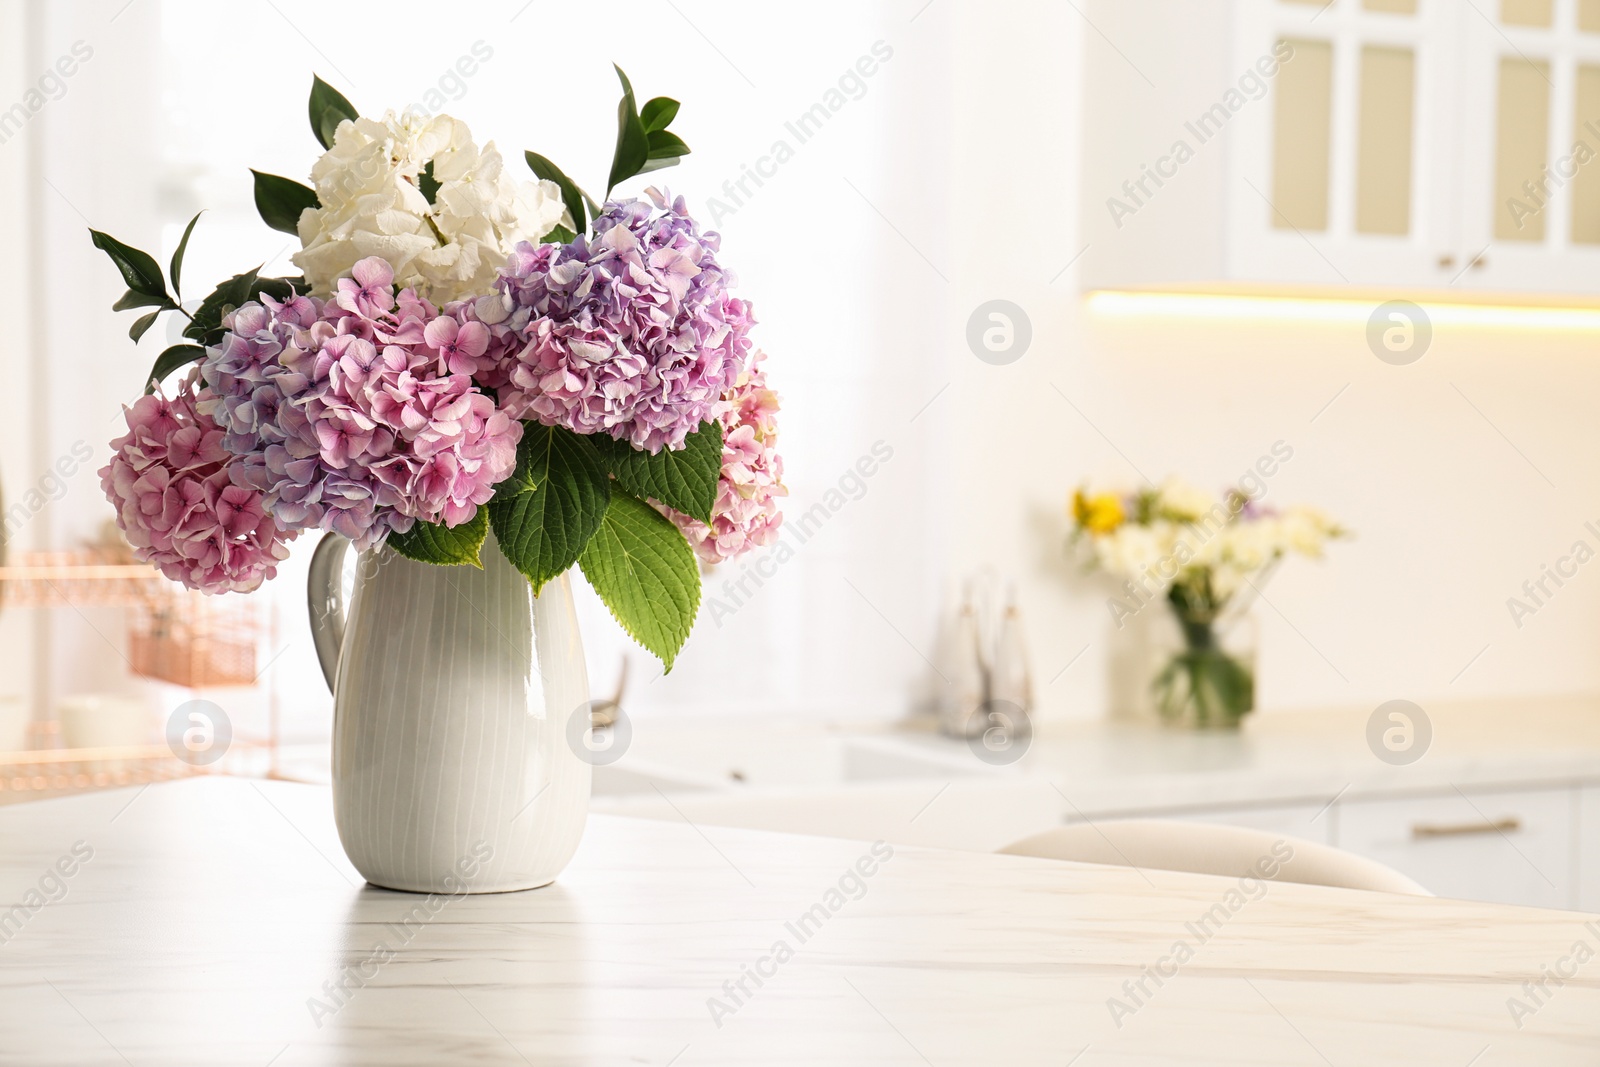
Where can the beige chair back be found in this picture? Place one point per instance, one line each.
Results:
(1208, 848)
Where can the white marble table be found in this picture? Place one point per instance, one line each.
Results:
(216, 917)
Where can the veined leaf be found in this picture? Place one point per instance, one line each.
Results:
(446, 546)
(542, 531)
(522, 478)
(645, 571)
(685, 480)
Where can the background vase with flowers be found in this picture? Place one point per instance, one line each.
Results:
(1206, 557)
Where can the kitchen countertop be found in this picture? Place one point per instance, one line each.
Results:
(211, 921)
(1089, 769)
(1314, 755)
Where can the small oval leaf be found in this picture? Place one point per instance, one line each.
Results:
(139, 269)
(657, 114)
(172, 359)
(281, 200)
(327, 108)
(176, 269)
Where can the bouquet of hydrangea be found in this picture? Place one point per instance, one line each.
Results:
(463, 352)
(1202, 552)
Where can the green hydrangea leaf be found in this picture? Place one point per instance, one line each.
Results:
(446, 546)
(684, 480)
(543, 530)
(645, 572)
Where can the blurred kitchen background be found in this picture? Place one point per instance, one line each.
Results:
(936, 156)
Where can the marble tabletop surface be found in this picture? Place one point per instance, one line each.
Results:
(215, 921)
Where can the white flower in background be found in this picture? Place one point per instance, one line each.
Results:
(368, 184)
(1249, 546)
(1132, 551)
(1210, 545)
(1305, 530)
(1225, 581)
(1184, 502)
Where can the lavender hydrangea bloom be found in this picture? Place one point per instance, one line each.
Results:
(632, 333)
(360, 415)
(261, 376)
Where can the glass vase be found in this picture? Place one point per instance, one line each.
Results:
(1204, 671)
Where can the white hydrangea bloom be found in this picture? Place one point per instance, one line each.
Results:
(367, 184)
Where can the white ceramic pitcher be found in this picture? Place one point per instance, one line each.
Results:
(454, 690)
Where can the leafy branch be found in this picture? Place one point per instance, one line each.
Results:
(643, 144)
(147, 287)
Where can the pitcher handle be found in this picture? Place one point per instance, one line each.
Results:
(325, 600)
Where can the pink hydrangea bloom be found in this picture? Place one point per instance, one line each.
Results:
(170, 481)
(631, 333)
(361, 415)
(746, 514)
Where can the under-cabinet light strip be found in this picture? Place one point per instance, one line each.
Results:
(1132, 304)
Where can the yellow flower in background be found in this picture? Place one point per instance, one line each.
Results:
(1098, 514)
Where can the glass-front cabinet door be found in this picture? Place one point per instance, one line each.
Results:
(1346, 172)
(1423, 144)
(1531, 144)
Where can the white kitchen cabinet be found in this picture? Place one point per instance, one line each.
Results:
(1354, 143)
(1509, 847)
(1530, 152)
(1342, 172)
